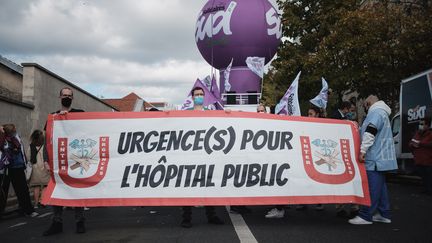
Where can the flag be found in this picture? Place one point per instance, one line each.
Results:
(226, 75)
(321, 99)
(289, 104)
(256, 65)
(209, 98)
(214, 89)
(207, 81)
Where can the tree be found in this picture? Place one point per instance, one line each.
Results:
(363, 46)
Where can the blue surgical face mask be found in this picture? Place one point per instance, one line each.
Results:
(351, 115)
(198, 100)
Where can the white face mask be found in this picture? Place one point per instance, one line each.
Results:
(421, 127)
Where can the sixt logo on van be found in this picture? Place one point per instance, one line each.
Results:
(416, 113)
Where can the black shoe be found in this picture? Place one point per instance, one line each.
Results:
(55, 228)
(186, 223)
(215, 220)
(80, 228)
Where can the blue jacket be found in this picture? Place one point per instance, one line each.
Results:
(381, 156)
(16, 159)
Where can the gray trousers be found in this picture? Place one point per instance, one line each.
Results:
(58, 214)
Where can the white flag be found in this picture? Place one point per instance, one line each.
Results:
(188, 103)
(256, 65)
(226, 75)
(289, 104)
(321, 99)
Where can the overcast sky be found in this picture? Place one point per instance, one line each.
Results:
(109, 47)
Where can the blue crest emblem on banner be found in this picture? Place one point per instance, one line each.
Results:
(327, 153)
(83, 154)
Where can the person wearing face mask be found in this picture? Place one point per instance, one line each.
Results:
(198, 98)
(14, 161)
(66, 98)
(342, 111)
(352, 113)
(421, 146)
(377, 151)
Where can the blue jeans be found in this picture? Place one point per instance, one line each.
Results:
(379, 197)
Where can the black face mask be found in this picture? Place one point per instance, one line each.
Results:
(66, 102)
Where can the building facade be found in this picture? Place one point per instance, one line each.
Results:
(29, 92)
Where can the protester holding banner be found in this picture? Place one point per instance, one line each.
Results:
(421, 145)
(15, 161)
(66, 97)
(378, 153)
(198, 99)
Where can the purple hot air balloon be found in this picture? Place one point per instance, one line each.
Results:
(237, 29)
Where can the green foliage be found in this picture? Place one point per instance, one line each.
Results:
(363, 46)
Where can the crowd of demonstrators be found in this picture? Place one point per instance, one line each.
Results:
(377, 152)
(198, 99)
(421, 146)
(40, 175)
(14, 163)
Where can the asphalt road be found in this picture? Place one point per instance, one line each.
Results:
(412, 222)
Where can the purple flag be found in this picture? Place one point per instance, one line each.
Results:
(216, 93)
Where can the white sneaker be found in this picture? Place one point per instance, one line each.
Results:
(378, 218)
(275, 214)
(86, 209)
(359, 221)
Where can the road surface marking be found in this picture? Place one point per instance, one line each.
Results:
(45, 214)
(243, 232)
(19, 224)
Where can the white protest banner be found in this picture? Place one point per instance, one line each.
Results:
(202, 158)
